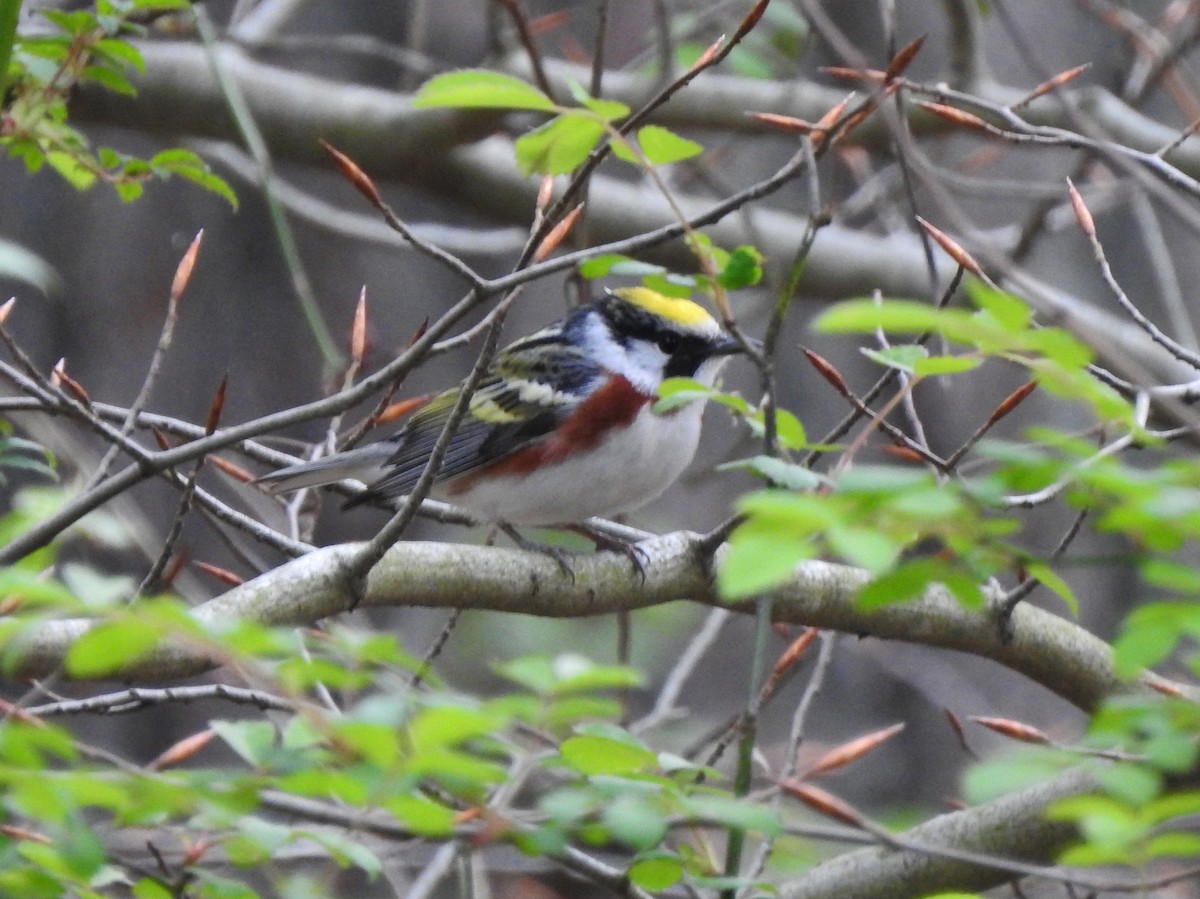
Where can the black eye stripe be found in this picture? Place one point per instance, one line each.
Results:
(669, 342)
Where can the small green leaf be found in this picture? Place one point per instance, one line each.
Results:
(421, 815)
(109, 646)
(1010, 312)
(661, 146)
(609, 110)
(616, 264)
(778, 472)
(252, 740)
(601, 755)
(478, 89)
(945, 365)
(1051, 579)
(656, 872)
(635, 822)
(559, 146)
(760, 557)
(76, 172)
(903, 357)
(109, 78)
(737, 814)
(744, 268)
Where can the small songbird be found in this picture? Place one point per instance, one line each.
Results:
(562, 426)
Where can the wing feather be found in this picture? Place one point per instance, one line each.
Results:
(532, 387)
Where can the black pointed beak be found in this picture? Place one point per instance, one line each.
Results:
(730, 346)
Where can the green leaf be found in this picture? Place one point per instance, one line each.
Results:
(1131, 783)
(900, 316)
(1056, 584)
(660, 871)
(945, 365)
(865, 547)
(635, 822)
(735, 814)
(450, 725)
(677, 392)
(1010, 312)
(559, 146)
(998, 777)
(661, 146)
(760, 556)
(744, 268)
(347, 850)
(903, 583)
(252, 740)
(109, 78)
(1173, 844)
(903, 357)
(110, 646)
(76, 172)
(479, 89)
(421, 815)
(589, 754)
(608, 110)
(778, 472)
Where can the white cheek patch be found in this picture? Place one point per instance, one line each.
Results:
(641, 362)
(707, 373)
(644, 365)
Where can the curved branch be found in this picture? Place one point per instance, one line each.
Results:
(1055, 653)
(1012, 827)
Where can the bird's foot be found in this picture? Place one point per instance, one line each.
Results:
(557, 553)
(607, 543)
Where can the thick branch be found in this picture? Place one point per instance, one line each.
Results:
(1049, 650)
(1014, 827)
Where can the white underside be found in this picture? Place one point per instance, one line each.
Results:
(623, 472)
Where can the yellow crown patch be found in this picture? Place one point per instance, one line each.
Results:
(683, 312)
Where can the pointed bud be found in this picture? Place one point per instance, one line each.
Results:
(1011, 402)
(752, 18)
(1051, 84)
(358, 331)
(1082, 214)
(216, 407)
(558, 234)
(786, 123)
(826, 370)
(849, 74)
(352, 173)
(957, 116)
(1015, 729)
(903, 58)
(709, 54)
(234, 471)
(823, 802)
(795, 650)
(221, 574)
(60, 378)
(183, 750)
(545, 193)
(183, 271)
(402, 408)
(855, 749)
(952, 248)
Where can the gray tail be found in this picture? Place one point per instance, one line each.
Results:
(364, 464)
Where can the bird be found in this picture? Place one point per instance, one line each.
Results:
(562, 425)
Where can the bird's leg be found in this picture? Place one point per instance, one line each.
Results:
(558, 554)
(605, 542)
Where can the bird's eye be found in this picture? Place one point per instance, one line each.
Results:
(668, 342)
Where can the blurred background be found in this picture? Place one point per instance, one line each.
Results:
(112, 263)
